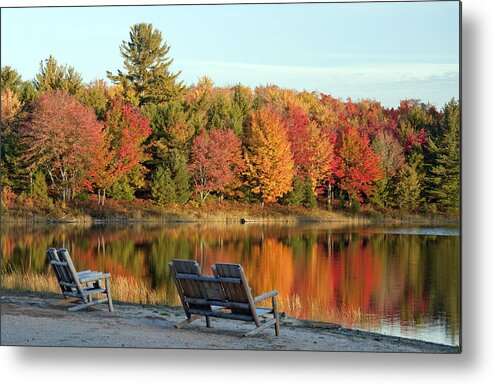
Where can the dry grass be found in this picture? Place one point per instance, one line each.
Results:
(30, 282)
(135, 290)
(126, 289)
(315, 310)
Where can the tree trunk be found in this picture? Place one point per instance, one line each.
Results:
(101, 197)
(329, 195)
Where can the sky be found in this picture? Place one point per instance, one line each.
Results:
(382, 51)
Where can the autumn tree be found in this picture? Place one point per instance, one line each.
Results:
(10, 148)
(62, 137)
(312, 149)
(53, 76)
(391, 154)
(10, 106)
(126, 129)
(358, 165)
(270, 166)
(216, 162)
(147, 66)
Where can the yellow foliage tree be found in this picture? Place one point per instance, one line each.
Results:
(10, 105)
(270, 166)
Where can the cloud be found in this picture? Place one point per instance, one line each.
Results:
(387, 82)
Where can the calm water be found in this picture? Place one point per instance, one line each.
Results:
(401, 281)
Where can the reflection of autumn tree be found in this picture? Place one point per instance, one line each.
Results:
(361, 275)
(365, 270)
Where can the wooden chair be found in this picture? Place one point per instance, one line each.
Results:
(78, 286)
(225, 295)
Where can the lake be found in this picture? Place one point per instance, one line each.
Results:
(402, 281)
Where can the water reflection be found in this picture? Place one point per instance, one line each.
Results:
(390, 280)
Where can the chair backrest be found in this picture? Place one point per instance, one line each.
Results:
(65, 270)
(191, 284)
(236, 290)
(61, 271)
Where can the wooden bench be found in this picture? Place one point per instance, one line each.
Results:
(78, 286)
(224, 295)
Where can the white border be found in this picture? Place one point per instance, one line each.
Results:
(125, 366)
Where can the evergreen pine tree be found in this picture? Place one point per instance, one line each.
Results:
(10, 79)
(296, 196)
(162, 186)
(39, 187)
(181, 179)
(443, 179)
(147, 66)
(52, 76)
(310, 199)
(407, 189)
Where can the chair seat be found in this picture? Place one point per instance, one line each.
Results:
(263, 311)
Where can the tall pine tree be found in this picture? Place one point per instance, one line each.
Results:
(443, 181)
(147, 71)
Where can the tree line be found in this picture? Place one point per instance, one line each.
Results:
(148, 135)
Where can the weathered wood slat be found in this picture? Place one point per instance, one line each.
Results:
(93, 277)
(90, 291)
(206, 278)
(199, 301)
(87, 304)
(266, 296)
(265, 325)
(192, 318)
(238, 317)
(276, 316)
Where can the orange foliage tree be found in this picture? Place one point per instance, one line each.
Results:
(270, 166)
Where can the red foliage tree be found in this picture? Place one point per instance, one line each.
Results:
(312, 148)
(358, 165)
(216, 162)
(297, 123)
(63, 137)
(126, 129)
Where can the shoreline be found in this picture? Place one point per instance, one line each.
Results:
(339, 218)
(144, 211)
(31, 319)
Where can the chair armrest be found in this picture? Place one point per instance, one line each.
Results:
(85, 272)
(94, 277)
(270, 294)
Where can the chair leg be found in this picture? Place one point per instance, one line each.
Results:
(87, 304)
(66, 301)
(108, 294)
(192, 318)
(276, 316)
(263, 326)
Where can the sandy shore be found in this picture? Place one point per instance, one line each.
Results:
(32, 319)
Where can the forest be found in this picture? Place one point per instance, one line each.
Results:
(142, 134)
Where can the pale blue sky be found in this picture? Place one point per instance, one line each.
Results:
(383, 51)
